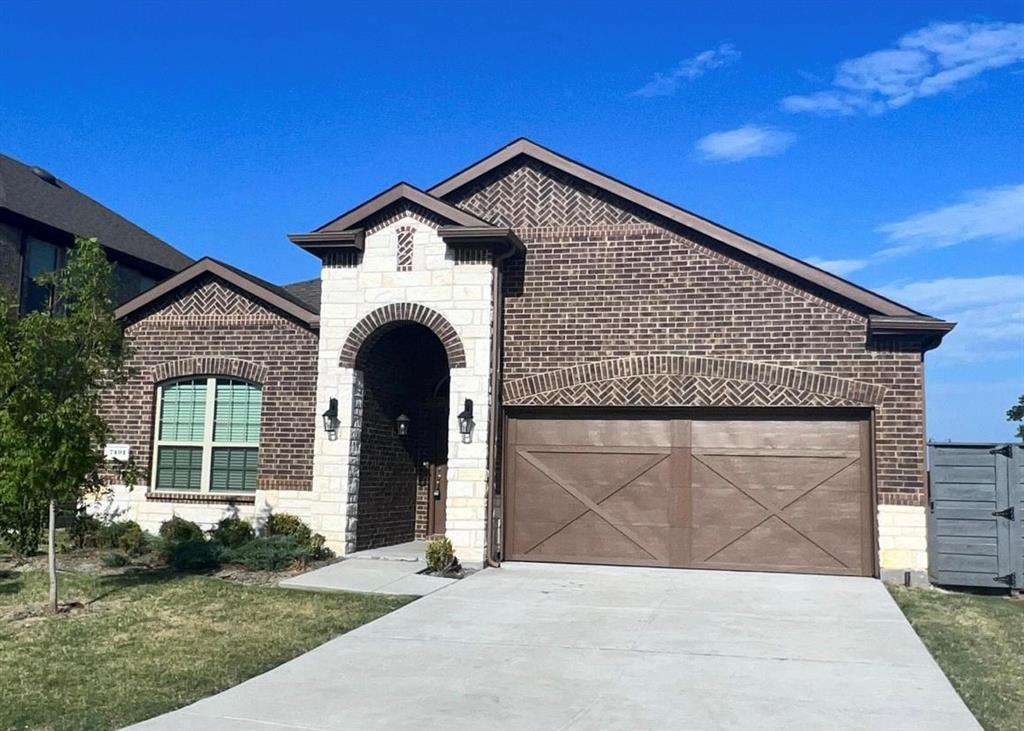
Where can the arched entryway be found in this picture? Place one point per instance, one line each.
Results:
(402, 478)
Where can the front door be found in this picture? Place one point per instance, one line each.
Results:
(437, 468)
(438, 476)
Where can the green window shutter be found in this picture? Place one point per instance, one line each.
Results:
(179, 468)
(234, 468)
(183, 411)
(237, 412)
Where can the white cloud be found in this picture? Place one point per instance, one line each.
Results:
(995, 213)
(992, 213)
(688, 70)
(739, 144)
(925, 62)
(841, 267)
(989, 312)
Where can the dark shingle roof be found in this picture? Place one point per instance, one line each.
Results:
(307, 291)
(59, 205)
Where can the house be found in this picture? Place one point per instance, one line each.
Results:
(545, 364)
(40, 216)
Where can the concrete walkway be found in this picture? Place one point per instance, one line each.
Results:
(390, 570)
(567, 647)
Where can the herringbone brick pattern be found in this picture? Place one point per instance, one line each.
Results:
(405, 236)
(529, 193)
(678, 391)
(673, 380)
(209, 299)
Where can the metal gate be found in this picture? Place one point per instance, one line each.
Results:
(976, 514)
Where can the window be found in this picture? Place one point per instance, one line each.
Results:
(41, 257)
(207, 435)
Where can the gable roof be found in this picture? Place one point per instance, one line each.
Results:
(41, 197)
(397, 192)
(307, 291)
(346, 230)
(270, 294)
(849, 291)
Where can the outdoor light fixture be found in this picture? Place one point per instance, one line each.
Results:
(466, 422)
(331, 417)
(402, 425)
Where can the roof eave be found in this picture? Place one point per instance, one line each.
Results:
(502, 240)
(929, 331)
(320, 242)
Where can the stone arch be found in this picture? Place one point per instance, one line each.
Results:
(208, 366)
(669, 380)
(389, 316)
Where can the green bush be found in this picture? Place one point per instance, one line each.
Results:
(271, 553)
(83, 531)
(22, 520)
(178, 529)
(115, 559)
(191, 554)
(440, 554)
(232, 532)
(125, 535)
(284, 524)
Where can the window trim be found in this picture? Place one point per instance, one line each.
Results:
(25, 281)
(207, 443)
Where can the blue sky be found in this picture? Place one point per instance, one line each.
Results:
(882, 140)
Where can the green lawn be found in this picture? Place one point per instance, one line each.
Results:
(979, 643)
(149, 642)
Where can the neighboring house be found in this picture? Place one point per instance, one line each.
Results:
(40, 216)
(545, 364)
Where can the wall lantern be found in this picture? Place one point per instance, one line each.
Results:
(402, 425)
(331, 417)
(466, 423)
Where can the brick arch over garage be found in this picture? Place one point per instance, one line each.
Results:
(679, 380)
(208, 366)
(384, 318)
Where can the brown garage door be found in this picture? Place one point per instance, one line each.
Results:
(771, 493)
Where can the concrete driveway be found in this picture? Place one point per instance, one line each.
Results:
(534, 646)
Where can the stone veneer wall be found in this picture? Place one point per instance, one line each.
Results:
(457, 291)
(212, 328)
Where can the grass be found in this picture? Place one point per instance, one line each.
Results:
(149, 642)
(979, 643)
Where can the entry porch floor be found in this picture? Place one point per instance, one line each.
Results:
(388, 570)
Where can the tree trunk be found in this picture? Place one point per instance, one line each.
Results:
(51, 555)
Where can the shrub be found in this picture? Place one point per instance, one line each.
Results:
(232, 532)
(83, 531)
(115, 559)
(284, 524)
(126, 535)
(178, 529)
(440, 554)
(22, 520)
(272, 553)
(191, 554)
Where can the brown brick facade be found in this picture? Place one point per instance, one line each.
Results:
(212, 328)
(603, 283)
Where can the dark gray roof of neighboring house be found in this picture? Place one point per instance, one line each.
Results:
(307, 291)
(61, 206)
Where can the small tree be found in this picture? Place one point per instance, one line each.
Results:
(1016, 413)
(53, 369)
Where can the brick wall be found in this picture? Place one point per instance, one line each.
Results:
(603, 280)
(213, 320)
